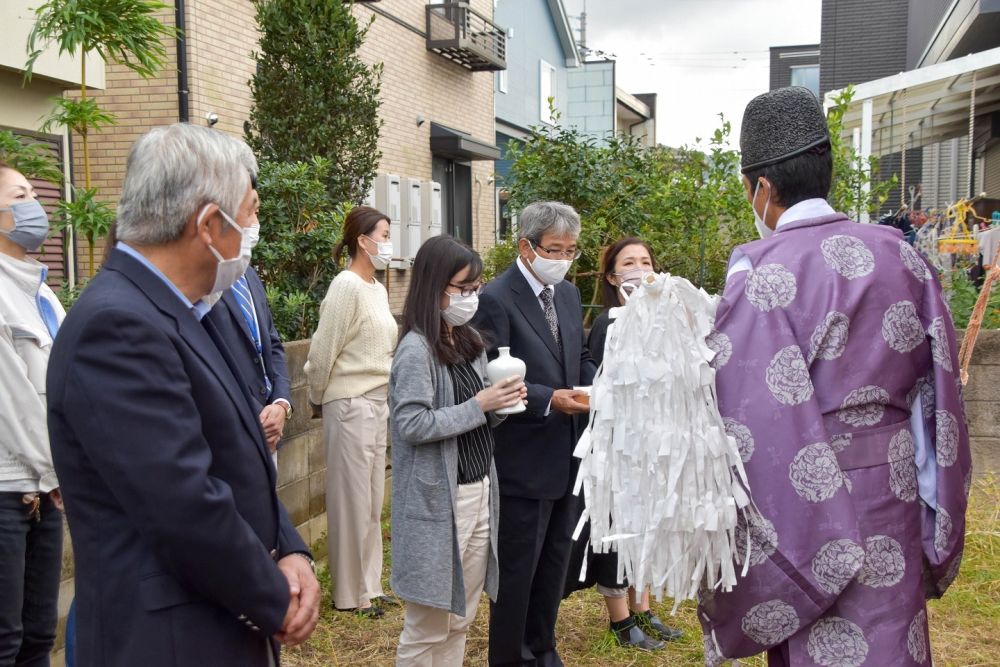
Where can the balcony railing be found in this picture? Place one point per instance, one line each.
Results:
(460, 33)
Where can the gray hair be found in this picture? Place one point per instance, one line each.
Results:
(172, 172)
(548, 217)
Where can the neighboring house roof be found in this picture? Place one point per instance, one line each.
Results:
(565, 32)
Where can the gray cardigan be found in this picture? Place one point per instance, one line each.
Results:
(425, 422)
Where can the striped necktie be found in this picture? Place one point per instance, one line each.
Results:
(241, 290)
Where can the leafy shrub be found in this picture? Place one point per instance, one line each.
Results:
(687, 203)
(313, 95)
(299, 226)
(962, 295)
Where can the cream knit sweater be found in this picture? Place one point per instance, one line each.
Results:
(351, 351)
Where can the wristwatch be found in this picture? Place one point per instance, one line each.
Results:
(308, 558)
(286, 405)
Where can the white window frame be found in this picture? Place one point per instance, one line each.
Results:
(545, 70)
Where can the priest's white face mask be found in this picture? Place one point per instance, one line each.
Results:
(763, 230)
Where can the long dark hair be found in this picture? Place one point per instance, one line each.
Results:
(361, 221)
(436, 263)
(609, 293)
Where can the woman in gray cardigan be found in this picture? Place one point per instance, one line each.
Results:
(444, 488)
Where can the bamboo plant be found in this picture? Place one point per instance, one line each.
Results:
(125, 32)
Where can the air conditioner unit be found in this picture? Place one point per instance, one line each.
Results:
(387, 200)
(431, 210)
(412, 217)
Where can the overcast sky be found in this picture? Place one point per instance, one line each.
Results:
(702, 57)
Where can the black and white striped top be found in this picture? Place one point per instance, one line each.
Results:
(475, 447)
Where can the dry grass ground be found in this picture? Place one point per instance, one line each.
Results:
(965, 624)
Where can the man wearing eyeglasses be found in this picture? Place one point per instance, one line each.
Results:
(530, 309)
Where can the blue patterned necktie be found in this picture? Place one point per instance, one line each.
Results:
(550, 314)
(48, 314)
(241, 290)
(45, 308)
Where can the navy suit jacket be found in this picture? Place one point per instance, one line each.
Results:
(229, 320)
(169, 488)
(534, 453)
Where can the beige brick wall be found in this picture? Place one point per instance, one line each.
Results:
(138, 104)
(223, 35)
(221, 38)
(417, 82)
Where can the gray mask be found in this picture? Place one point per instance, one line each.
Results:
(31, 224)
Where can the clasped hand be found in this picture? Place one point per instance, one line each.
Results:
(303, 604)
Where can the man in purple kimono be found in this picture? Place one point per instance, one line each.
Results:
(838, 377)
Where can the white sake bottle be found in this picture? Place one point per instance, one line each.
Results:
(502, 368)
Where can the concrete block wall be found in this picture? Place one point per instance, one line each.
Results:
(982, 403)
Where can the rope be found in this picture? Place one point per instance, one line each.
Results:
(902, 185)
(976, 321)
(972, 130)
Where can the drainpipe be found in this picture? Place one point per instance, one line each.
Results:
(183, 110)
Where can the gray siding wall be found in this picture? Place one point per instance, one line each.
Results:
(862, 40)
(991, 171)
(923, 21)
(781, 67)
(946, 172)
(533, 39)
(592, 99)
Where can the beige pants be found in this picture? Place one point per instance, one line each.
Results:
(355, 433)
(434, 637)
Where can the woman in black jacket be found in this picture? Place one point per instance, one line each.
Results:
(623, 266)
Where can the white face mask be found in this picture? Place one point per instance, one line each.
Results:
(763, 230)
(228, 270)
(631, 281)
(384, 256)
(460, 309)
(253, 235)
(549, 271)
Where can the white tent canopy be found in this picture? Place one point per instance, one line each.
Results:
(923, 106)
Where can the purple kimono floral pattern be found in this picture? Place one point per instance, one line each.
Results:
(822, 349)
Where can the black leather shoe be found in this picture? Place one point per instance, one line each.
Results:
(364, 612)
(628, 633)
(654, 627)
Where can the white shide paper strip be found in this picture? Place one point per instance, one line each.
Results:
(663, 483)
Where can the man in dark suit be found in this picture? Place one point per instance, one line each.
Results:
(184, 554)
(244, 320)
(539, 316)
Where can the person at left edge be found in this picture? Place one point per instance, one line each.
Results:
(244, 320)
(31, 536)
(184, 554)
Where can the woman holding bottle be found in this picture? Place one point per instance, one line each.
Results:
(444, 494)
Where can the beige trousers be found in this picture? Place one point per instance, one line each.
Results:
(434, 637)
(355, 432)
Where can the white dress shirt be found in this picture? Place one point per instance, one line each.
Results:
(804, 210)
(537, 287)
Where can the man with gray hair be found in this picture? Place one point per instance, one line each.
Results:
(530, 309)
(184, 554)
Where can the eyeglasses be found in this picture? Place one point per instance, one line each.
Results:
(468, 291)
(565, 254)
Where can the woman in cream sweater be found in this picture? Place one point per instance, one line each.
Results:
(348, 373)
